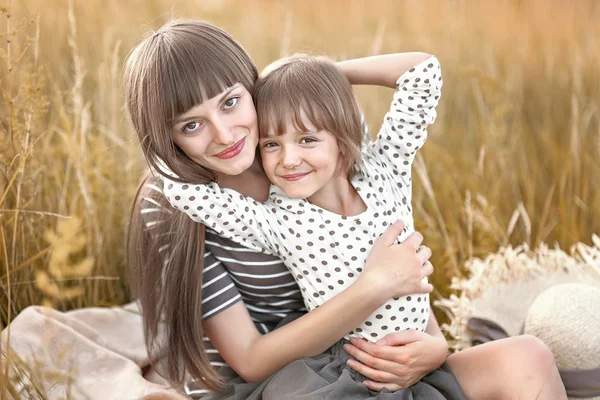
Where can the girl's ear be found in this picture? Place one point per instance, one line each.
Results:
(342, 160)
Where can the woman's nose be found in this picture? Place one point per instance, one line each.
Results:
(222, 133)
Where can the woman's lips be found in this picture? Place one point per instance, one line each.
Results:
(232, 151)
(294, 177)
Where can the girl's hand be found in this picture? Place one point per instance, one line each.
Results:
(398, 269)
(399, 360)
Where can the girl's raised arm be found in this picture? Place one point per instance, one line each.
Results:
(381, 70)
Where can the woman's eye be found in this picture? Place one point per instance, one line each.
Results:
(231, 102)
(191, 127)
(307, 140)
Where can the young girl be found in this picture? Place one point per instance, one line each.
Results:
(329, 202)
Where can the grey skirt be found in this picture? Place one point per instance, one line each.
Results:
(327, 376)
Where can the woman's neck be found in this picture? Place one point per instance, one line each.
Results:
(252, 182)
(339, 197)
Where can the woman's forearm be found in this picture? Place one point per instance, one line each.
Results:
(318, 330)
(381, 70)
(255, 357)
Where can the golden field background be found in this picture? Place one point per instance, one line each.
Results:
(513, 156)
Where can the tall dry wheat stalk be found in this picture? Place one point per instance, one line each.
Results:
(512, 158)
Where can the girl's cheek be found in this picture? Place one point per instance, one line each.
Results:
(268, 162)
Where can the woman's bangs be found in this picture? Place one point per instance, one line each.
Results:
(193, 76)
(188, 84)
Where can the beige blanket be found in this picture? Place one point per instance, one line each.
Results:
(91, 353)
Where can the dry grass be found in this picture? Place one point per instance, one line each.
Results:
(513, 156)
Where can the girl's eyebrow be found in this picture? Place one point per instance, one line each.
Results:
(307, 132)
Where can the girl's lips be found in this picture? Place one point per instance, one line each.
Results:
(295, 177)
(232, 151)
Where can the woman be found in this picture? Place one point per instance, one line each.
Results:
(193, 73)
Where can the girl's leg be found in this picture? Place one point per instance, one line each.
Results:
(520, 367)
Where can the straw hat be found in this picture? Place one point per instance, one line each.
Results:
(566, 318)
(546, 292)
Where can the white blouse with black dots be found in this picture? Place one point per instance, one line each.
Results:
(326, 251)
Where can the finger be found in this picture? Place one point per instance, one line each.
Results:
(427, 269)
(423, 288)
(371, 373)
(414, 239)
(401, 338)
(381, 357)
(423, 254)
(390, 235)
(378, 386)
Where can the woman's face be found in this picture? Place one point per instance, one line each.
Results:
(220, 134)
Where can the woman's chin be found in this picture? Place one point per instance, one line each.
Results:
(235, 168)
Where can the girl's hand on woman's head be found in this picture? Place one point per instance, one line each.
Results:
(402, 361)
(398, 269)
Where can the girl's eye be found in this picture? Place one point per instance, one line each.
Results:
(192, 127)
(269, 145)
(230, 102)
(307, 140)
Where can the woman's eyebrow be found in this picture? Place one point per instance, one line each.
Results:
(228, 92)
(181, 119)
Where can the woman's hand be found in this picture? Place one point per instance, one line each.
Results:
(397, 361)
(398, 269)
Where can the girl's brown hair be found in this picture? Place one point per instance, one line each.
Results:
(179, 66)
(315, 88)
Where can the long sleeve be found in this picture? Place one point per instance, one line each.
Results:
(404, 128)
(227, 212)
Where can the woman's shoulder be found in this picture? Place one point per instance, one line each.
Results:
(225, 248)
(267, 286)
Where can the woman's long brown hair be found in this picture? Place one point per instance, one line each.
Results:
(166, 250)
(181, 65)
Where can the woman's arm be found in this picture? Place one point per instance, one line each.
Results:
(400, 359)
(255, 357)
(381, 70)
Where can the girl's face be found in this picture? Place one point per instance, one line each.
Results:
(300, 163)
(220, 134)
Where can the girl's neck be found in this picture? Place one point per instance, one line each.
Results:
(339, 197)
(252, 182)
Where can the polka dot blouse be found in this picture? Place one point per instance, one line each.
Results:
(325, 251)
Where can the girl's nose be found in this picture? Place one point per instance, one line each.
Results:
(290, 158)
